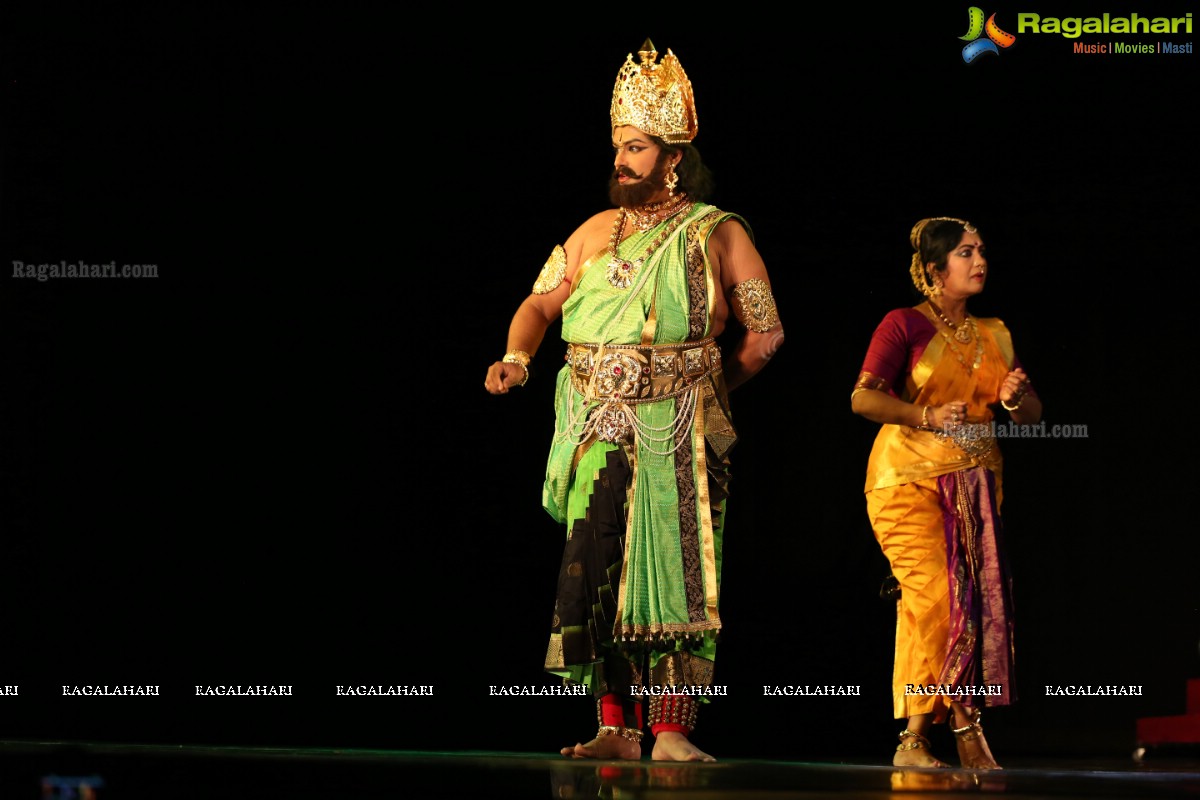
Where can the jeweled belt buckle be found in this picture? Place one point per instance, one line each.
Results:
(664, 366)
(693, 362)
(583, 361)
(613, 425)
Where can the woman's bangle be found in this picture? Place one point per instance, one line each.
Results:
(925, 416)
(1007, 407)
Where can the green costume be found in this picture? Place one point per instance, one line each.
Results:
(638, 466)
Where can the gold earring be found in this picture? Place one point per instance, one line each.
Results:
(935, 285)
(672, 180)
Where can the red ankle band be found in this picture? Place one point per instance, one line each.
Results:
(621, 712)
(672, 712)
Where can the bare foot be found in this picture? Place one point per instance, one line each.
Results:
(916, 752)
(974, 753)
(916, 758)
(605, 748)
(674, 746)
(973, 750)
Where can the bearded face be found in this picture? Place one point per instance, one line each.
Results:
(639, 189)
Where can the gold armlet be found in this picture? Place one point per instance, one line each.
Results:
(868, 381)
(754, 305)
(553, 272)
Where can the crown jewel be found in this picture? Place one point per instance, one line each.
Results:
(655, 98)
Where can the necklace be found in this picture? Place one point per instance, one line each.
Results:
(621, 272)
(962, 333)
(978, 346)
(647, 216)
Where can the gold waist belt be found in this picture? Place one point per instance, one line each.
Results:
(633, 373)
(974, 439)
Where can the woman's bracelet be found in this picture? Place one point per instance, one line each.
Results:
(925, 416)
(1020, 395)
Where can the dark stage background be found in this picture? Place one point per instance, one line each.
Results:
(275, 464)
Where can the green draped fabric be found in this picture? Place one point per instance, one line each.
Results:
(668, 517)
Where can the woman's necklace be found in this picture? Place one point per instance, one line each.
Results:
(621, 272)
(972, 333)
(962, 333)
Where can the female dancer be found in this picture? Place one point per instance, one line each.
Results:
(933, 376)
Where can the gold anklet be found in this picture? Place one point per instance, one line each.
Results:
(921, 742)
(632, 734)
(973, 730)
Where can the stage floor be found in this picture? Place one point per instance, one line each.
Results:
(107, 771)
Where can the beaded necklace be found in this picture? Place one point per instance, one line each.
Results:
(974, 333)
(646, 217)
(960, 331)
(621, 272)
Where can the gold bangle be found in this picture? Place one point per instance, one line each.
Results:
(1020, 395)
(925, 416)
(518, 357)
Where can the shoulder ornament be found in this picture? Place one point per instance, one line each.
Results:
(553, 272)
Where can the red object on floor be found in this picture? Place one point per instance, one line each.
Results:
(1183, 729)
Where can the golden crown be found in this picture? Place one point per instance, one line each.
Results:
(655, 98)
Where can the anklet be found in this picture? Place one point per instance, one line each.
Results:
(632, 734)
(970, 731)
(920, 743)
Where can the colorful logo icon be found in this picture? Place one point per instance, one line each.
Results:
(996, 38)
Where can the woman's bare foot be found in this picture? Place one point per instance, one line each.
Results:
(605, 748)
(975, 754)
(914, 752)
(973, 750)
(674, 746)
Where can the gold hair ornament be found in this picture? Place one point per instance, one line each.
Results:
(920, 278)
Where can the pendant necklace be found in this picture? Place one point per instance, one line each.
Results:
(962, 333)
(621, 272)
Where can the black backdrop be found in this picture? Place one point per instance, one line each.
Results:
(275, 464)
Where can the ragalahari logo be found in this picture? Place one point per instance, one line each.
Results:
(996, 38)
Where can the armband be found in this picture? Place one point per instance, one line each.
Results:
(868, 381)
(553, 272)
(754, 305)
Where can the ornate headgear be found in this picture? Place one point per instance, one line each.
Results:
(655, 98)
(920, 277)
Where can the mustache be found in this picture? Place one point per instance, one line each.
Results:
(627, 172)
